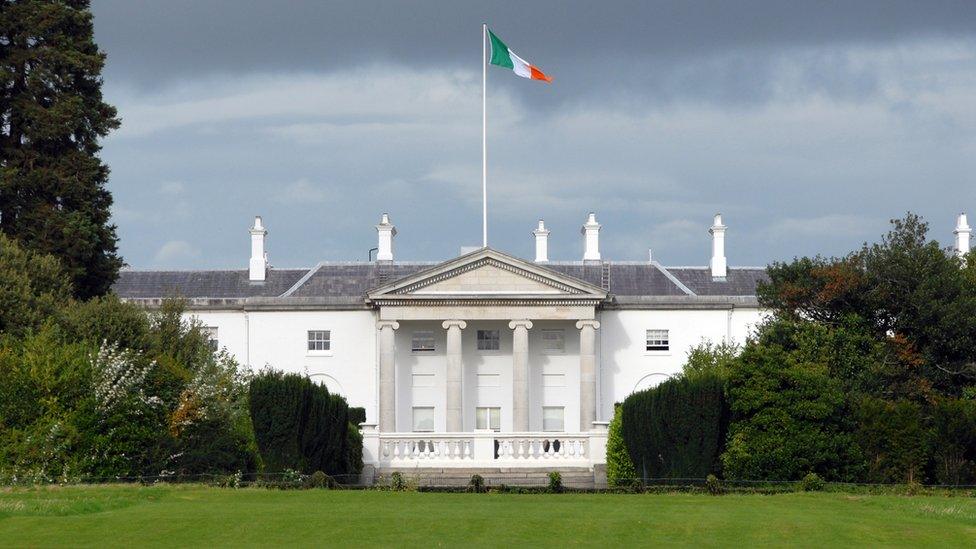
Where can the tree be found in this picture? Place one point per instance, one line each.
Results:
(52, 184)
(32, 288)
(789, 411)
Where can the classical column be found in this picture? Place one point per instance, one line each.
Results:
(520, 374)
(587, 403)
(387, 375)
(455, 421)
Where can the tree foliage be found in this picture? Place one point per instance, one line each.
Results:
(676, 429)
(32, 288)
(52, 184)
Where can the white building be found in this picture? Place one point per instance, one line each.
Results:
(484, 361)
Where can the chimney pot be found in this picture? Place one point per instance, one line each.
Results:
(541, 243)
(258, 267)
(718, 264)
(962, 232)
(591, 238)
(385, 232)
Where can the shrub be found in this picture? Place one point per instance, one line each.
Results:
(620, 469)
(954, 441)
(397, 482)
(299, 425)
(318, 479)
(790, 416)
(555, 482)
(357, 415)
(32, 287)
(476, 484)
(894, 439)
(676, 429)
(709, 359)
(713, 485)
(812, 483)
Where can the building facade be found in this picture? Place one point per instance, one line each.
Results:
(484, 360)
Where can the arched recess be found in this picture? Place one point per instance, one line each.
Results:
(331, 383)
(650, 380)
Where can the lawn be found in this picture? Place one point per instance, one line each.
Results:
(197, 515)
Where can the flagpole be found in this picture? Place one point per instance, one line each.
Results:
(484, 135)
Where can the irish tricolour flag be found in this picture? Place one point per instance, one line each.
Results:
(503, 56)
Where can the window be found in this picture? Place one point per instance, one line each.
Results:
(422, 342)
(210, 332)
(488, 340)
(423, 419)
(319, 340)
(552, 418)
(488, 418)
(657, 340)
(553, 341)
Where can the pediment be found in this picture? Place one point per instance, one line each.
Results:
(487, 274)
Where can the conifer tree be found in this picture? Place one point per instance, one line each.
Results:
(53, 198)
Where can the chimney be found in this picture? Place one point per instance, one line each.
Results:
(259, 258)
(591, 239)
(718, 263)
(385, 231)
(541, 243)
(962, 233)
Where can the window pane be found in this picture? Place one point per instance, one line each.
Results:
(481, 418)
(488, 418)
(423, 419)
(488, 340)
(319, 340)
(422, 341)
(552, 418)
(495, 418)
(658, 340)
(553, 340)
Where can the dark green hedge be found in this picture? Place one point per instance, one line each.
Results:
(677, 429)
(299, 425)
(357, 415)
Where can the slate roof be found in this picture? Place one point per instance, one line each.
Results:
(349, 282)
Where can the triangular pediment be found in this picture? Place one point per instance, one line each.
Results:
(487, 274)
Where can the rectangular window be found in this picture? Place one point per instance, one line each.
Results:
(552, 419)
(210, 332)
(553, 341)
(488, 340)
(657, 340)
(319, 340)
(423, 419)
(489, 418)
(422, 342)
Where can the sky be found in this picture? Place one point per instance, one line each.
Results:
(808, 125)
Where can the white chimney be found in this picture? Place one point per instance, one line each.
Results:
(259, 258)
(718, 263)
(962, 233)
(385, 231)
(591, 238)
(541, 243)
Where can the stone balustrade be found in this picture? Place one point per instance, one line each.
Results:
(483, 449)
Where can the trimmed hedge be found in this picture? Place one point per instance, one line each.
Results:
(298, 425)
(677, 429)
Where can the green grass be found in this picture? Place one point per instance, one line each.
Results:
(198, 515)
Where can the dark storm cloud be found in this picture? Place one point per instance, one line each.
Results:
(807, 123)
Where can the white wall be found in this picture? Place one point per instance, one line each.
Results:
(279, 339)
(626, 366)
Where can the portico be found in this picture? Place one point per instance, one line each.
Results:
(487, 346)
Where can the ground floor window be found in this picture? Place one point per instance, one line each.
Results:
(423, 419)
(210, 332)
(552, 418)
(488, 418)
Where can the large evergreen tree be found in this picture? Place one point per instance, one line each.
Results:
(52, 184)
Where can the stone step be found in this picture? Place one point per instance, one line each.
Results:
(575, 477)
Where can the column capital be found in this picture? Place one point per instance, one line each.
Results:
(454, 323)
(595, 324)
(527, 324)
(387, 324)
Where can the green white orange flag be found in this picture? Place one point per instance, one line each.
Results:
(503, 56)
